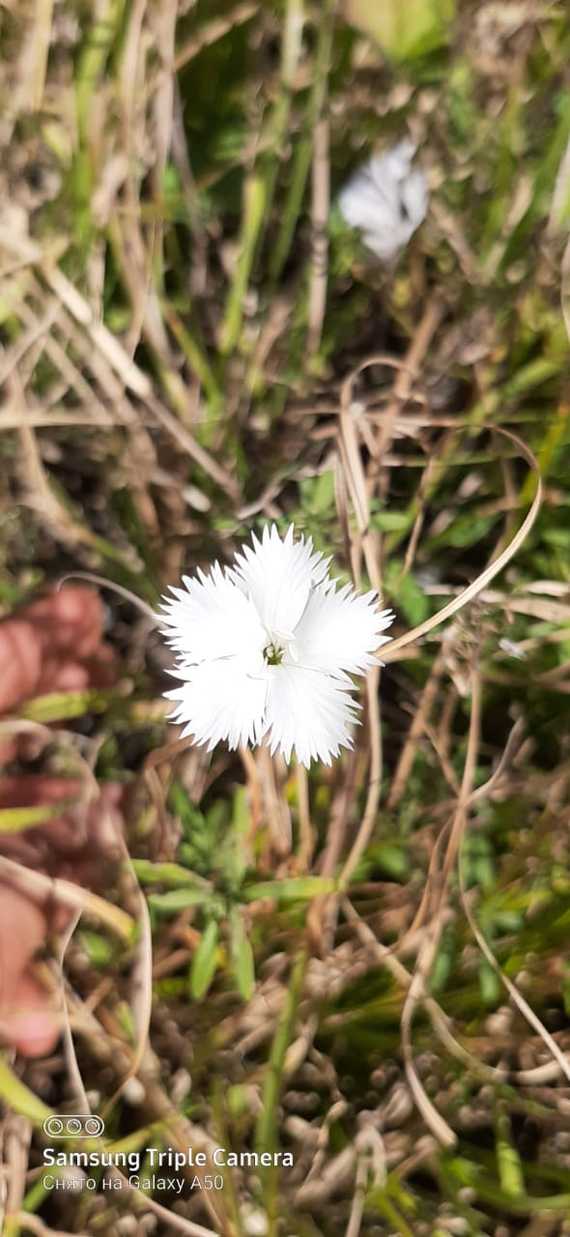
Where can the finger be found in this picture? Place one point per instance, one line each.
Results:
(70, 620)
(23, 931)
(102, 668)
(58, 675)
(20, 661)
(8, 751)
(93, 826)
(61, 834)
(28, 1021)
(34, 789)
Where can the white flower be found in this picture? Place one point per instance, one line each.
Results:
(387, 200)
(265, 650)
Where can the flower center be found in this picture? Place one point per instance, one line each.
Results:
(273, 654)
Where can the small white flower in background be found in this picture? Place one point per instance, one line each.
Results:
(386, 200)
(265, 650)
(512, 649)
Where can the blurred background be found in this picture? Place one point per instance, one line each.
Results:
(211, 318)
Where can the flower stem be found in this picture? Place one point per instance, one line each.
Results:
(266, 1138)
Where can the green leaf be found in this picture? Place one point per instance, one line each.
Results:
(18, 1097)
(98, 949)
(298, 887)
(235, 854)
(242, 956)
(444, 964)
(317, 493)
(16, 819)
(467, 530)
(406, 593)
(391, 859)
(191, 818)
(404, 31)
(558, 537)
(508, 1160)
(490, 985)
(61, 706)
(178, 900)
(391, 521)
(166, 874)
(205, 961)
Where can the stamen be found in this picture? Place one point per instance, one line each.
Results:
(273, 654)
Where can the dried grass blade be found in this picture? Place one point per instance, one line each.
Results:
(416, 992)
(519, 1000)
(36, 884)
(491, 570)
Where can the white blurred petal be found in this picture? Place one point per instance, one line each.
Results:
(277, 575)
(386, 200)
(211, 617)
(340, 629)
(309, 712)
(222, 701)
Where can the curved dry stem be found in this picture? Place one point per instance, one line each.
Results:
(439, 1020)
(417, 991)
(508, 752)
(37, 885)
(102, 582)
(357, 488)
(491, 570)
(519, 1000)
(374, 781)
(415, 994)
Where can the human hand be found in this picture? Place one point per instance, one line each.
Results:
(55, 644)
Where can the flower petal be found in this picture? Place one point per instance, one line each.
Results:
(386, 199)
(277, 575)
(308, 711)
(210, 618)
(339, 630)
(222, 700)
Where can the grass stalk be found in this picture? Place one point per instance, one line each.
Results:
(304, 151)
(259, 187)
(266, 1136)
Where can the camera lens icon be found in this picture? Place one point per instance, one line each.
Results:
(76, 1125)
